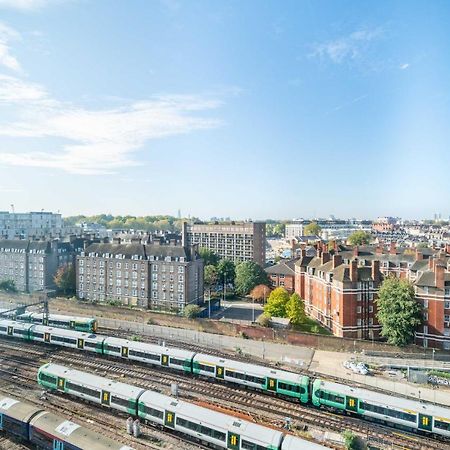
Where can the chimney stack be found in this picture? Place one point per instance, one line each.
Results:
(325, 257)
(302, 252)
(431, 263)
(376, 271)
(419, 255)
(318, 251)
(379, 250)
(392, 249)
(355, 251)
(439, 275)
(337, 261)
(354, 270)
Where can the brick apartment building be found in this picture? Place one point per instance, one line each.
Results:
(154, 275)
(283, 275)
(235, 241)
(30, 264)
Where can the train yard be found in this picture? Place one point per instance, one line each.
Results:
(20, 362)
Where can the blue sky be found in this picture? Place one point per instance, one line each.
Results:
(225, 108)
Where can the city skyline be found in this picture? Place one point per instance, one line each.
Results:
(225, 109)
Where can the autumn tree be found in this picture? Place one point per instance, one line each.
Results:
(65, 279)
(295, 309)
(260, 293)
(277, 302)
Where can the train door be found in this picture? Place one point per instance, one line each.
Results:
(47, 337)
(233, 441)
(80, 343)
(425, 422)
(72, 325)
(219, 372)
(351, 404)
(271, 384)
(106, 398)
(1, 421)
(165, 360)
(45, 321)
(169, 420)
(10, 331)
(61, 384)
(124, 352)
(58, 445)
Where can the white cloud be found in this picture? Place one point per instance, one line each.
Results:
(404, 66)
(98, 141)
(348, 47)
(7, 60)
(14, 90)
(4, 189)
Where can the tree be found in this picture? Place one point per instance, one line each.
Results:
(264, 320)
(359, 237)
(260, 293)
(191, 311)
(398, 311)
(276, 305)
(208, 256)
(248, 275)
(65, 279)
(312, 228)
(350, 440)
(210, 277)
(295, 309)
(226, 271)
(8, 286)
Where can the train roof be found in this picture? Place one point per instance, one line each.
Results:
(214, 419)
(17, 409)
(385, 400)
(16, 325)
(96, 381)
(295, 443)
(67, 333)
(63, 317)
(151, 348)
(73, 433)
(249, 368)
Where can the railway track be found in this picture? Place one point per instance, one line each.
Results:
(270, 409)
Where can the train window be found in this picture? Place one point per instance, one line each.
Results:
(205, 368)
(247, 445)
(121, 401)
(388, 412)
(143, 355)
(291, 387)
(90, 344)
(178, 362)
(41, 439)
(442, 425)
(330, 397)
(47, 378)
(37, 335)
(243, 376)
(3, 328)
(20, 331)
(150, 411)
(110, 348)
(82, 390)
(63, 339)
(201, 429)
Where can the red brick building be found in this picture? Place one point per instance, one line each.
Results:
(283, 275)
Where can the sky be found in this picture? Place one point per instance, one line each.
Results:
(244, 109)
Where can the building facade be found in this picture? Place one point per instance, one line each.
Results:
(235, 241)
(156, 275)
(282, 275)
(30, 225)
(31, 265)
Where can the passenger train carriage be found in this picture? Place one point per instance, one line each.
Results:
(206, 425)
(408, 413)
(278, 381)
(86, 324)
(47, 431)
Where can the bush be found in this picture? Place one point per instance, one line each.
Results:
(191, 311)
(8, 286)
(264, 320)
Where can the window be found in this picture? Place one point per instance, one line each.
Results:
(370, 308)
(205, 368)
(447, 305)
(121, 401)
(358, 309)
(388, 412)
(47, 378)
(291, 387)
(82, 389)
(143, 355)
(247, 445)
(180, 269)
(206, 431)
(151, 411)
(245, 377)
(442, 425)
(328, 396)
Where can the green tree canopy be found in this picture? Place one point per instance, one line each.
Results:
(208, 256)
(360, 237)
(65, 279)
(295, 309)
(226, 271)
(210, 277)
(277, 303)
(312, 228)
(8, 286)
(248, 275)
(398, 311)
(275, 229)
(191, 311)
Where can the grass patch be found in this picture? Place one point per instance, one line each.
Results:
(311, 326)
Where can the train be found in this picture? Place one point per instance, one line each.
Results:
(45, 430)
(394, 411)
(206, 425)
(84, 324)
